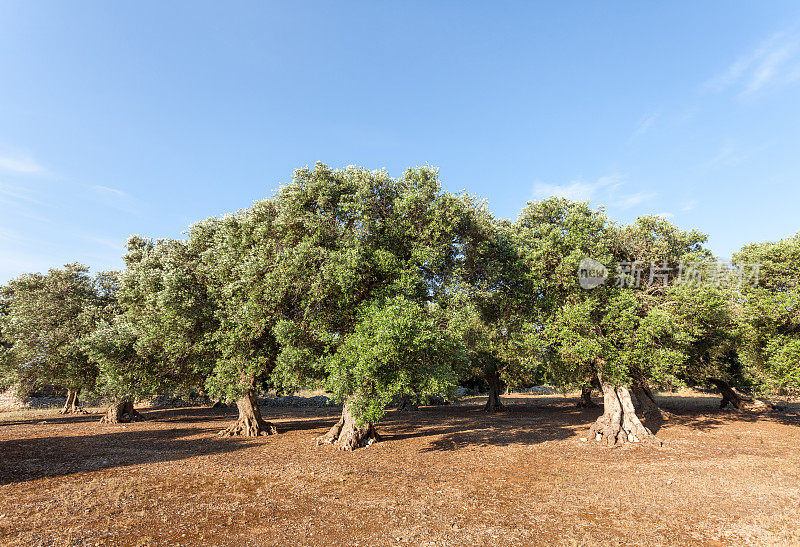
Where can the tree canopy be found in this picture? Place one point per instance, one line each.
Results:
(374, 288)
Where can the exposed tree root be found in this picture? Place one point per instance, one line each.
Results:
(121, 413)
(250, 422)
(619, 423)
(347, 435)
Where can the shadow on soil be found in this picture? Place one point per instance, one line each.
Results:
(95, 446)
(458, 427)
(525, 421)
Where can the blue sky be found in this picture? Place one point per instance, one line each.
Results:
(143, 117)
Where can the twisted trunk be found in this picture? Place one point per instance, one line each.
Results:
(406, 403)
(72, 406)
(740, 402)
(619, 423)
(250, 423)
(122, 412)
(493, 403)
(646, 403)
(347, 434)
(586, 398)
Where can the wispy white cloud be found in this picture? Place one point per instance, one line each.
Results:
(689, 205)
(116, 198)
(731, 154)
(644, 124)
(578, 190)
(773, 62)
(607, 190)
(665, 215)
(632, 200)
(20, 164)
(111, 243)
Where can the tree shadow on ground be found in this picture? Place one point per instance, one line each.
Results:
(704, 414)
(456, 427)
(98, 446)
(35, 458)
(55, 418)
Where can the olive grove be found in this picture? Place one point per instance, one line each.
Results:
(377, 289)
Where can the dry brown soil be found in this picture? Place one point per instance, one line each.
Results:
(449, 475)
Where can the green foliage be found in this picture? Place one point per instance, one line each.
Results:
(638, 325)
(770, 315)
(488, 299)
(375, 287)
(240, 268)
(395, 348)
(350, 242)
(43, 321)
(160, 332)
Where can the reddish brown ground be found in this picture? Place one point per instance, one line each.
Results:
(441, 476)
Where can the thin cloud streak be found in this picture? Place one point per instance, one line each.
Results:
(644, 124)
(772, 62)
(116, 198)
(21, 165)
(605, 190)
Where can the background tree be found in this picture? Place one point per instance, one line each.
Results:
(768, 304)
(161, 336)
(488, 297)
(45, 318)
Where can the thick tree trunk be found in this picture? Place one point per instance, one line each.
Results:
(619, 423)
(586, 398)
(72, 406)
(346, 434)
(493, 403)
(121, 413)
(740, 402)
(646, 404)
(406, 404)
(250, 422)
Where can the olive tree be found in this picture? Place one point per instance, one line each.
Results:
(635, 324)
(44, 319)
(768, 303)
(488, 301)
(248, 288)
(366, 256)
(161, 335)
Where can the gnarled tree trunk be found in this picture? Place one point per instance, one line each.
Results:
(72, 406)
(493, 403)
(406, 403)
(619, 423)
(740, 402)
(646, 404)
(122, 412)
(347, 434)
(250, 422)
(586, 398)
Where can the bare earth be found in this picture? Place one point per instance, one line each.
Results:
(449, 475)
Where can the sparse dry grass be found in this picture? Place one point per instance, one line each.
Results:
(442, 476)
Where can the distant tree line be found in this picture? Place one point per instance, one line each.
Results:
(378, 289)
